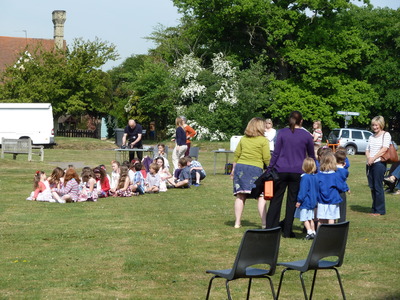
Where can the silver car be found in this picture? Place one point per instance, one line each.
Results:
(354, 140)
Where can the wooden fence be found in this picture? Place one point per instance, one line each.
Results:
(78, 133)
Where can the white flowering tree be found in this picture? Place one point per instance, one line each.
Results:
(187, 69)
(208, 96)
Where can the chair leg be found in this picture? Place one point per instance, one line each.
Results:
(313, 282)
(272, 288)
(227, 290)
(280, 283)
(340, 283)
(248, 289)
(209, 286)
(303, 285)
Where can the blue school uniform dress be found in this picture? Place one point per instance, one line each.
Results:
(307, 196)
(330, 184)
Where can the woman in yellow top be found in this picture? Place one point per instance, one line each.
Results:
(251, 154)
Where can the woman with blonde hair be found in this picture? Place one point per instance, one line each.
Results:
(251, 154)
(378, 144)
(180, 143)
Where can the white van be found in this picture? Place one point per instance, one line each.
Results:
(27, 120)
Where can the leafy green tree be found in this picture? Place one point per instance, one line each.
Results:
(381, 27)
(154, 98)
(71, 80)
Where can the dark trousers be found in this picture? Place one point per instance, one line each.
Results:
(375, 174)
(138, 153)
(342, 208)
(291, 181)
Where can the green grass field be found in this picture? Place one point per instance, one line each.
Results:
(158, 246)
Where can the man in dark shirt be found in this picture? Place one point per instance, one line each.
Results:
(133, 138)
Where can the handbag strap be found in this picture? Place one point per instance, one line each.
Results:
(383, 136)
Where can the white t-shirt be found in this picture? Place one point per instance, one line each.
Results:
(270, 135)
(376, 143)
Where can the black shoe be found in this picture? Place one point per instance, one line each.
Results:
(310, 236)
(291, 235)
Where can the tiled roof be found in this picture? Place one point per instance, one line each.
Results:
(12, 47)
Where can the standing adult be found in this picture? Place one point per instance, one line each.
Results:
(190, 133)
(378, 144)
(133, 135)
(251, 153)
(293, 145)
(270, 134)
(180, 143)
(317, 135)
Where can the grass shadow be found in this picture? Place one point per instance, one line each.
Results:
(245, 223)
(359, 208)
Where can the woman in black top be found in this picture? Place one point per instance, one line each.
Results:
(180, 143)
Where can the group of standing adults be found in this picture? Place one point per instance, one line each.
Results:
(133, 133)
(261, 148)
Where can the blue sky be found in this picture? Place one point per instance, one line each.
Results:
(124, 23)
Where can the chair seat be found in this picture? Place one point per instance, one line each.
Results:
(299, 265)
(250, 273)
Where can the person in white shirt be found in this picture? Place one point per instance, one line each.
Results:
(378, 144)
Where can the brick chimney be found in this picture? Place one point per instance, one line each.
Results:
(59, 17)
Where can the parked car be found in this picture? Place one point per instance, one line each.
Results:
(354, 140)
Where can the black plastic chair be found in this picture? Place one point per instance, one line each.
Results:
(258, 246)
(194, 152)
(330, 241)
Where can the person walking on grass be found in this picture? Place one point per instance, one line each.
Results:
(251, 154)
(180, 143)
(292, 146)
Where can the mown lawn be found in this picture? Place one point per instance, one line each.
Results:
(159, 245)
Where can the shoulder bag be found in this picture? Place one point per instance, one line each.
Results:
(390, 155)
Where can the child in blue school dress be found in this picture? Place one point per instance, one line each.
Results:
(307, 197)
(331, 183)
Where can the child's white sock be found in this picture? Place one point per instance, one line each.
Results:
(309, 231)
(313, 231)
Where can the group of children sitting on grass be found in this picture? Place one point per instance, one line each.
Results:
(323, 187)
(126, 180)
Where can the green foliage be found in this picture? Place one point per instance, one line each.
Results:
(381, 27)
(71, 80)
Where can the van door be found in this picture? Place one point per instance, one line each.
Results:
(358, 139)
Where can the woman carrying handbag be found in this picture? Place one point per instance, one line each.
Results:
(378, 144)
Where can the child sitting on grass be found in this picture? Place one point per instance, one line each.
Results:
(41, 188)
(164, 173)
(307, 197)
(103, 184)
(161, 153)
(185, 178)
(152, 181)
(138, 184)
(123, 187)
(196, 171)
(69, 191)
(88, 186)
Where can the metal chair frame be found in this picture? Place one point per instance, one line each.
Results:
(258, 246)
(330, 241)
